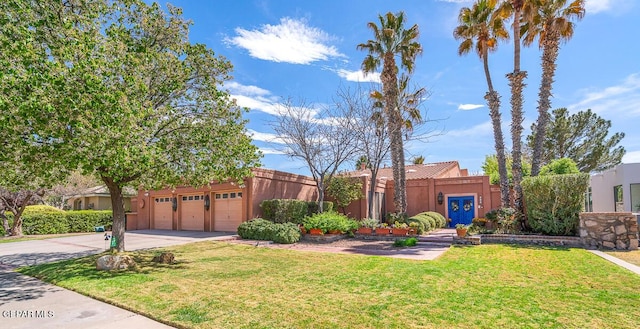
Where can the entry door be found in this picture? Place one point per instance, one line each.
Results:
(460, 210)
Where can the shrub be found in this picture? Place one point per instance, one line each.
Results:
(329, 221)
(284, 210)
(286, 233)
(425, 222)
(49, 220)
(410, 242)
(554, 202)
(369, 222)
(327, 206)
(440, 221)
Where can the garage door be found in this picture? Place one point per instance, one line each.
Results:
(162, 214)
(228, 211)
(192, 213)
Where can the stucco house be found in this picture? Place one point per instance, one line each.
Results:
(98, 198)
(615, 190)
(442, 187)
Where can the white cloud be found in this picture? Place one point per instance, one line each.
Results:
(467, 107)
(631, 157)
(359, 76)
(292, 41)
(479, 130)
(236, 88)
(596, 6)
(621, 98)
(263, 137)
(257, 103)
(266, 150)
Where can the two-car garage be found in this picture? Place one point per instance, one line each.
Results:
(195, 213)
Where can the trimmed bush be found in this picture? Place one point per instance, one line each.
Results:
(261, 229)
(425, 222)
(554, 202)
(290, 210)
(49, 220)
(440, 221)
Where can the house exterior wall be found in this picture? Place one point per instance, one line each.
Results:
(264, 185)
(602, 185)
(100, 202)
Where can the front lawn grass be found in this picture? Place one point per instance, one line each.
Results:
(632, 257)
(224, 285)
(9, 239)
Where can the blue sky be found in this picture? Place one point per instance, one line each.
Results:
(306, 50)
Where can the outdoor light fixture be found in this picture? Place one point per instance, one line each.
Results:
(440, 198)
(207, 202)
(174, 204)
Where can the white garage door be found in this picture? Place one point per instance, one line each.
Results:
(192, 213)
(162, 213)
(228, 211)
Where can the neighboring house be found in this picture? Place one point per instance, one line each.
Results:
(615, 190)
(219, 207)
(441, 187)
(98, 198)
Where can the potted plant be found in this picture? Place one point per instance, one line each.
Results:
(314, 225)
(461, 230)
(383, 229)
(400, 229)
(367, 225)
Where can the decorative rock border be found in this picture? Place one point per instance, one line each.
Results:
(324, 238)
(609, 230)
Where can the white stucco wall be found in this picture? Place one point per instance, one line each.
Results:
(602, 187)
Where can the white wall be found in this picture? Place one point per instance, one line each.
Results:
(602, 187)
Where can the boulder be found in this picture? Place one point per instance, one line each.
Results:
(164, 258)
(114, 262)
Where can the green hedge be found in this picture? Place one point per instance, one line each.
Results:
(554, 202)
(46, 221)
(439, 220)
(330, 221)
(261, 229)
(290, 210)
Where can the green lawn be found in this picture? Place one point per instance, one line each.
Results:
(222, 285)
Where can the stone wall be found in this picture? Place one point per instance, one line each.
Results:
(609, 230)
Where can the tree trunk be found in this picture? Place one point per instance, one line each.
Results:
(493, 101)
(550, 48)
(517, 85)
(17, 211)
(516, 82)
(320, 195)
(372, 192)
(16, 228)
(117, 204)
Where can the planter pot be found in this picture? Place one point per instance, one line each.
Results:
(462, 232)
(381, 231)
(315, 231)
(335, 232)
(413, 231)
(303, 230)
(365, 230)
(399, 231)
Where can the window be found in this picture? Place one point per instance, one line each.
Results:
(617, 198)
(166, 200)
(232, 195)
(635, 197)
(239, 194)
(217, 195)
(184, 198)
(588, 201)
(225, 195)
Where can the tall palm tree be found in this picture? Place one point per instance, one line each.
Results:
(480, 29)
(516, 82)
(551, 22)
(392, 39)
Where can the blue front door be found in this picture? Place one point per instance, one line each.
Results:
(460, 210)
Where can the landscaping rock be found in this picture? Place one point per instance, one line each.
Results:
(164, 258)
(114, 262)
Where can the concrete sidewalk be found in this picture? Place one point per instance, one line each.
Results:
(26, 302)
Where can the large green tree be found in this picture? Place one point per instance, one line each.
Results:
(490, 168)
(583, 137)
(481, 28)
(392, 39)
(119, 88)
(550, 21)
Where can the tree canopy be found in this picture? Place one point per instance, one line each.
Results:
(117, 89)
(583, 137)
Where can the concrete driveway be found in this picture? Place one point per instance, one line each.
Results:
(26, 302)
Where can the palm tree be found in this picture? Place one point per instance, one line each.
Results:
(418, 160)
(551, 22)
(516, 82)
(481, 27)
(391, 39)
